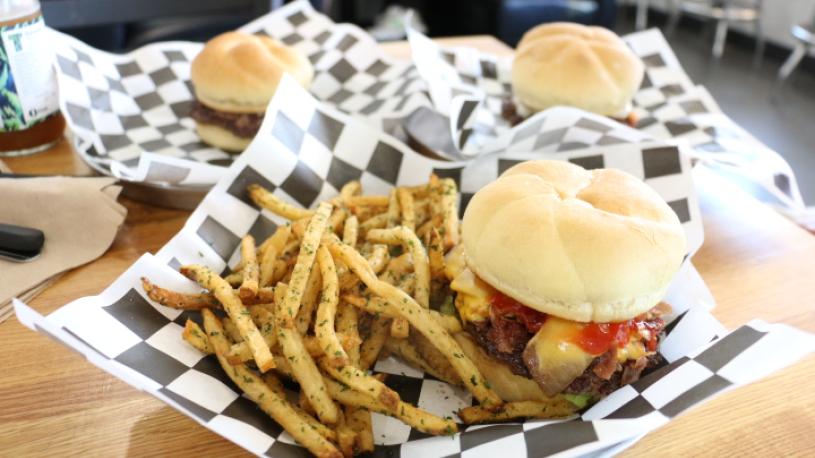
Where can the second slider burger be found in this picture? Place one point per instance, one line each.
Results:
(574, 65)
(559, 279)
(235, 76)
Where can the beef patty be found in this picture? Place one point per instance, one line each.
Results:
(505, 340)
(244, 125)
(509, 111)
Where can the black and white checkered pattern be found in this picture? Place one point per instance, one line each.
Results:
(470, 86)
(318, 149)
(140, 342)
(350, 71)
(304, 152)
(121, 106)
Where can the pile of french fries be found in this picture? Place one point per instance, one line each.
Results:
(328, 294)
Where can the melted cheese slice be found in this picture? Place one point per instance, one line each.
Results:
(473, 298)
(472, 294)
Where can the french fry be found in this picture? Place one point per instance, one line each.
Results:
(379, 258)
(435, 255)
(346, 438)
(235, 278)
(240, 353)
(400, 328)
(269, 201)
(420, 191)
(441, 369)
(266, 398)
(371, 201)
(350, 189)
(327, 310)
(421, 265)
(236, 310)
(358, 419)
(424, 230)
(274, 383)
(375, 222)
(449, 203)
(249, 287)
(406, 208)
(369, 351)
(553, 408)
(348, 325)
(178, 300)
(350, 232)
(379, 306)
(233, 334)
(298, 227)
(404, 236)
(397, 269)
(393, 210)
(405, 350)
(336, 222)
(361, 381)
(310, 298)
(410, 415)
(450, 323)
(194, 335)
(422, 209)
(291, 247)
(420, 319)
(303, 366)
(269, 251)
(302, 399)
(265, 295)
(287, 311)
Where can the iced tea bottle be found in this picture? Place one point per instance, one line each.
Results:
(30, 120)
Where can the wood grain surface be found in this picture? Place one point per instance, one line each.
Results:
(756, 262)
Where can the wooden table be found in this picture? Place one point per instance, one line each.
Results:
(756, 262)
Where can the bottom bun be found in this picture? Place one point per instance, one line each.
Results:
(221, 138)
(508, 386)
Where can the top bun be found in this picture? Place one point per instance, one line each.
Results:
(583, 245)
(575, 65)
(238, 73)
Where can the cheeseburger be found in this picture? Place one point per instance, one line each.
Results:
(574, 65)
(235, 76)
(559, 278)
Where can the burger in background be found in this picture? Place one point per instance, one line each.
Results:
(235, 76)
(559, 279)
(569, 64)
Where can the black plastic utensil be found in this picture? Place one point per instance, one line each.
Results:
(20, 244)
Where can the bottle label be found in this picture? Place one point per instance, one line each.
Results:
(28, 88)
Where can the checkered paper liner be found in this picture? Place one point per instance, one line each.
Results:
(304, 152)
(470, 86)
(122, 106)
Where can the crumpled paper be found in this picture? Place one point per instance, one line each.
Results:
(79, 216)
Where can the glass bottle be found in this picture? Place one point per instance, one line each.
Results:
(30, 120)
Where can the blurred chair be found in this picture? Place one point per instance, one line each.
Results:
(724, 12)
(517, 16)
(804, 35)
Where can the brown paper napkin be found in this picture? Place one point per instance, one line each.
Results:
(79, 216)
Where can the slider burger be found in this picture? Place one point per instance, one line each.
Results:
(574, 65)
(235, 76)
(559, 278)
